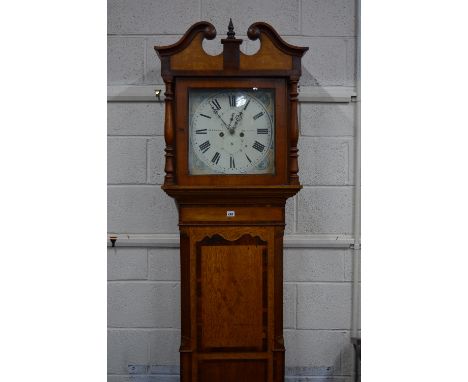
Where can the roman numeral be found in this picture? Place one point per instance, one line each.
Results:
(258, 146)
(205, 146)
(200, 131)
(204, 115)
(262, 131)
(232, 164)
(232, 101)
(216, 157)
(248, 158)
(257, 116)
(215, 104)
(247, 104)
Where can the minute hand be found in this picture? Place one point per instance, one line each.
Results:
(224, 123)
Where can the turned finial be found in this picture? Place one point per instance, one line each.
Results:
(231, 32)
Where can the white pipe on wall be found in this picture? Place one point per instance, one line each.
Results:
(172, 241)
(154, 93)
(355, 317)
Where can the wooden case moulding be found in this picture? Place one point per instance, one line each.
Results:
(231, 224)
(187, 57)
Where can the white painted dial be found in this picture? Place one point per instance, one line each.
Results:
(232, 132)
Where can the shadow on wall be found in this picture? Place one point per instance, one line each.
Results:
(307, 79)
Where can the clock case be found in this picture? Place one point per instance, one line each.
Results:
(231, 226)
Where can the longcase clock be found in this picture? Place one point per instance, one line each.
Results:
(231, 163)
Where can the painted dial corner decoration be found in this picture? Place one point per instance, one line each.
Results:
(231, 131)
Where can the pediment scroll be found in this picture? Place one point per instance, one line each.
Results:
(188, 52)
(188, 55)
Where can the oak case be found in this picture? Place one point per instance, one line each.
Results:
(231, 225)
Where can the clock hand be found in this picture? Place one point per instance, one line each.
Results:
(224, 123)
(230, 122)
(231, 128)
(237, 121)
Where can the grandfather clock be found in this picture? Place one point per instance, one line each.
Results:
(231, 136)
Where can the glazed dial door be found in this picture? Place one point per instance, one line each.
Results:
(231, 131)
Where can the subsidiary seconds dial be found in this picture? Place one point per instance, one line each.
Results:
(232, 132)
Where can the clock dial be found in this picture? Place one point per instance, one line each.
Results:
(231, 131)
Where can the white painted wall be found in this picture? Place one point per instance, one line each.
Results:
(143, 294)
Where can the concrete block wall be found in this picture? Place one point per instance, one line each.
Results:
(144, 285)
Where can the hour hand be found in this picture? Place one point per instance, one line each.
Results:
(237, 120)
